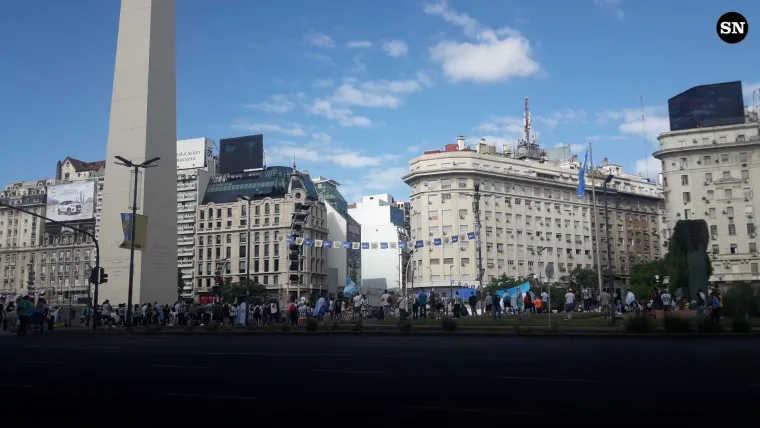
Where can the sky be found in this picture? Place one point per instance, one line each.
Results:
(356, 89)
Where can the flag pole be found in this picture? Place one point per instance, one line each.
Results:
(596, 224)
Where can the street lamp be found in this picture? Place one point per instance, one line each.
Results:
(247, 255)
(609, 247)
(136, 168)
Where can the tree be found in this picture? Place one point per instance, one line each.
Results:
(644, 278)
(234, 292)
(580, 277)
(687, 262)
(180, 284)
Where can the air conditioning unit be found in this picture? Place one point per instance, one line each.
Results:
(462, 249)
(713, 237)
(431, 233)
(725, 212)
(444, 233)
(430, 248)
(752, 235)
(463, 263)
(430, 202)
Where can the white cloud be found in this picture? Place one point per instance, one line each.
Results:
(749, 88)
(413, 149)
(321, 137)
(649, 167)
(324, 83)
(343, 116)
(611, 6)
(321, 58)
(359, 65)
(277, 104)
(359, 44)
(606, 138)
(379, 93)
(387, 180)
(502, 125)
(562, 117)
(395, 48)
(323, 153)
(631, 123)
(293, 130)
(320, 40)
(574, 148)
(491, 56)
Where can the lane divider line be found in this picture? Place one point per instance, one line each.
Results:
(206, 396)
(179, 367)
(546, 379)
(373, 372)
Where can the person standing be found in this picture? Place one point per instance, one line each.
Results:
(457, 305)
(569, 304)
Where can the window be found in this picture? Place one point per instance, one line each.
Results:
(229, 212)
(684, 180)
(266, 209)
(707, 160)
(752, 247)
(682, 162)
(712, 212)
(742, 156)
(242, 210)
(745, 174)
(708, 177)
(241, 251)
(732, 229)
(727, 193)
(241, 266)
(734, 249)
(686, 197)
(713, 230)
(724, 157)
(257, 210)
(750, 228)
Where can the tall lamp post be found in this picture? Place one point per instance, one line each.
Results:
(541, 282)
(609, 249)
(136, 168)
(247, 256)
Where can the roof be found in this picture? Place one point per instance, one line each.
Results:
(81, 166)
(272, 182)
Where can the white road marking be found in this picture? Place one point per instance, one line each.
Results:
(349, 371)
(460, 410)
(207, 397)
(547, 379)
(179, 367)
(42, 362)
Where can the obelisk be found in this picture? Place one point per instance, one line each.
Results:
(143, 125)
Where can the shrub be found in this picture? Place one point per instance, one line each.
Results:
(707, 325)
(740, 325)
(448, 324)
(674, 324)
(405, 326)
(641, 324)
(359, 325)
(311, 324)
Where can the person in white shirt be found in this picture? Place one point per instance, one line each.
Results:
(545, 302)
(457, 305)
(105, 314)
(569, 304)
(386, 304)
(667, 300)
(358, 302)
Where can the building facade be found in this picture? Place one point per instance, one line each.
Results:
(381, 221)
(342, 228)
(529, 216)
(221, 247)
(711, 174)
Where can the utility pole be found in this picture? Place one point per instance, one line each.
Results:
(609, 251)
(476, 210)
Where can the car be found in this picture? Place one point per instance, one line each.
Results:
(69, 208)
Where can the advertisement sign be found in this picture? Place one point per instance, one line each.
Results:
(71, 202)
(140, 234)
(705, 106)
(241, 154)
(193, 153)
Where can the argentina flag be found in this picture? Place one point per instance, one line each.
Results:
(581, 191)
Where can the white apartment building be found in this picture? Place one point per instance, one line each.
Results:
(195, 167)
(527, 206)
(381, 221)
(342, 228)
(221, 233)
(711, 173)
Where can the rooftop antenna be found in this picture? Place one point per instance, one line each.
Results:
(294, 158)
(644, 133)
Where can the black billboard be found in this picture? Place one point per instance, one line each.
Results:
(241, 153)
(703, 106)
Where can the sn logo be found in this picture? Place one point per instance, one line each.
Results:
(732, 27)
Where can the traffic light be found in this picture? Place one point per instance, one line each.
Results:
(103, 276)
(93, 276)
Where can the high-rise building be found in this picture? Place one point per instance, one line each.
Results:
(528, 206)
(195, 167)
(342, 228)
(381, 221)
(276, 193)
(711, 173)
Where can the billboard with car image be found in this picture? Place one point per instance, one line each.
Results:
(71, 202)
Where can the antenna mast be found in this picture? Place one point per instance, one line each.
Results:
(644, 133)
(526, 119)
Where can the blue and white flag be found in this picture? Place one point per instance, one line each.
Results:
(581, 191)
(350, 288)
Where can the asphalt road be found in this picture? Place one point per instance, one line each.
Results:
(477, 379)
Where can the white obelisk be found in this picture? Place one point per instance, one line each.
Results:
(143, 126)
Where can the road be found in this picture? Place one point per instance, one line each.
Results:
(399, 376)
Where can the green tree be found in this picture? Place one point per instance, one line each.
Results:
(644, 278)
(234, 292)
(689, 237)
(580, 277)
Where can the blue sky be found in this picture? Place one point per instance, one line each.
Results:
(358, 88)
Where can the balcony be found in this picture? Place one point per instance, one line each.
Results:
(186, 218)
(185, 230)
(185, 252)
(186, 198)
(186, 208)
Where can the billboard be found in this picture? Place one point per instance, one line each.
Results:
(71, 202)
(703, 106)
(140, 235)
(194, 153)
(241, 154)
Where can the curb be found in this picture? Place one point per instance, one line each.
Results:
(491, 334)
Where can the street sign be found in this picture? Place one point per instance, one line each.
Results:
(549, 271)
